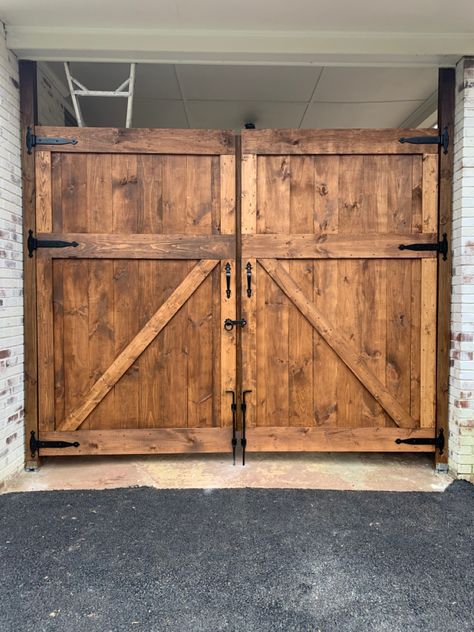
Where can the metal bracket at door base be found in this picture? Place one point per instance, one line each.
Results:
(35, 444)
(438, 441)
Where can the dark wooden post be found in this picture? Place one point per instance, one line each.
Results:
(28, 117)
(446, 108)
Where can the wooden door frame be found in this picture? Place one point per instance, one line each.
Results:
(28, 118)
(446, 110)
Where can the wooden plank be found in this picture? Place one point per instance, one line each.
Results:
(249, 304)
(76, 333)
(44, 211)
(127, 183)
(430, 194)
(446, 92)
(46, 403)
(273, 201)
(428, 345)
(228, 305)
(334, 141)
(340, 246)
(200, 306)
(28, 117)
(354, 361)
(175, 335)
(140, 342)
(300, 332)
(340, 439)
(140, 246)
(101, 290)
(141, 441)
(142, 140)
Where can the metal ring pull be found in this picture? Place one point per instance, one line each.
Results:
(229, 324)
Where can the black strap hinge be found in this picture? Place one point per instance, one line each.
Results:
(32, 140)
(440, 246)
(442, 140)
(35, 444)
(438, 441)
(33, 243)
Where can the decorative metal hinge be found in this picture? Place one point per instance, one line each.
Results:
(441, 247)
(438, 441)
(35, 444)
(32, 140)
(33, 243)
(442, 140)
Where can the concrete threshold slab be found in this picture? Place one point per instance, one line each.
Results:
(335, 471)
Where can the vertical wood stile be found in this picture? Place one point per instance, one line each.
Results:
(228, 346)
(249, 304)
(428, 297)
(28, 118)
(44, 272)
(446, 106)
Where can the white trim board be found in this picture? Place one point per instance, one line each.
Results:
(239, 47)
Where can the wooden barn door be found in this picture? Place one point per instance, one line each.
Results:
(339, 351)
(133, 357)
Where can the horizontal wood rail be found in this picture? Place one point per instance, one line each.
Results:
(313, 439)
(140, 246)
(142, 141)
(334, 141)
(326, 246)
(141, 441)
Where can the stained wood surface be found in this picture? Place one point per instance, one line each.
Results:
(339, 439)
(141, 441)
(28, 118)
(446, 109)
(340, 344)
(140, 246)
(131, 322)
(142, 140)
(342, 331)
(334, 141)
(138, 344)
(327, 246)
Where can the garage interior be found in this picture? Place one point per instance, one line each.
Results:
(226, 96)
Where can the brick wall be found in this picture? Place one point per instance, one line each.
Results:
(53, 104)
(461, 423)
(11, 284)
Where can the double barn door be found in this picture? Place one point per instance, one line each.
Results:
(145, 246)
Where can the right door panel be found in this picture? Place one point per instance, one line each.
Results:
(339, 351)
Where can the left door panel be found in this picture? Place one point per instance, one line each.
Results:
(133, 357)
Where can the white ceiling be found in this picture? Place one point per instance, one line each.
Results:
(228, 96)
(415, 16)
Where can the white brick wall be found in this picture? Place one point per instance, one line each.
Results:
(461, 422)
(11, 283)
(52, 98)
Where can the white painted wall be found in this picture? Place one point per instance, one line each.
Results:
(11, 268)
(461, 422)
